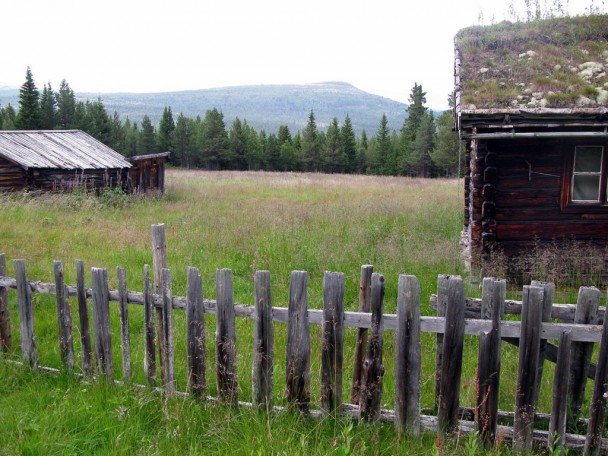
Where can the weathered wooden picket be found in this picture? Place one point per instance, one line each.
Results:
(579, 328)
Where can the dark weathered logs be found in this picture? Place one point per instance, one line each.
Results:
(599, 398)
(373, 370)
(83, 316)
(586, 314)
(297, 391)
(167, 348)
(559, 409)
(407, 356)
(64, 318)
(451, 367)
(26, 314)
(488, 371)
(124, 324)
(195, 334)
(225, 338)
(101, 323)
(149, 333)
(549, 293)
(527, 370)
(332, 351)
(6, 338)
(159, 262)
(442, 300)
(365, 283)
(263, 341)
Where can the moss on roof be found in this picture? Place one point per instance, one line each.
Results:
(552, 63)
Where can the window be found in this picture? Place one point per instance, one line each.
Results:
(585, 180)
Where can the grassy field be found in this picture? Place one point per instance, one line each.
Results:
(246, 222)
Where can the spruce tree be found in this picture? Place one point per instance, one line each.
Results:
(7, 117)
(237, 145)
(349, 145)
(166, 127)
(215, 153)
(184, 142)
(310, 150)
(383, 138)
(66, 106)
(48, 108)
(29, 116)
(147, 137)
(332, 157)
(446, 151)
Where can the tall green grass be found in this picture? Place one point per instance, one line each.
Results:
(246, 222)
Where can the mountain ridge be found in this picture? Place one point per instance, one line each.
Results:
(264, 107)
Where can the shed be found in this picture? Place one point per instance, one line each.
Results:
(532, 108)
(148, 172)
(59, 159)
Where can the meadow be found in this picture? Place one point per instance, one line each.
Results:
(244, 221)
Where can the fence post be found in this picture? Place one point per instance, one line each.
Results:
(527, 370)
(64, 318)
(586, 314)
(263, 341)
(225, 338)
(83, 315)
(26, 315)
(559, 409)
(124, 323)
(297, 391)
(195, 329)
(599, 397)
(159, 262)
(167, 309)
(332, 351)
(6, 338)
(150, 349)
(549, 292)
(101, 322)
(364, 302)
(407, 356)
(453, 341)
(373, 370)
(488, 371)
(442, 300)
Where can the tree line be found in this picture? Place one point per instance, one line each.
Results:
(424, 146)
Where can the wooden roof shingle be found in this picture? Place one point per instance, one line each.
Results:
(58, 149)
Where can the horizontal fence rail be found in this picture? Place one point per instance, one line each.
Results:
(568, 343)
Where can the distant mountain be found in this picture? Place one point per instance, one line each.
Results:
(263, 106)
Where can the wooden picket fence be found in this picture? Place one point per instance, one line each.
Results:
(578, 330)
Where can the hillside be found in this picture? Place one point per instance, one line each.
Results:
(263, 106)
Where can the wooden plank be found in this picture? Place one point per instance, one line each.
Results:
(225, 339)
(26, 315)
(159, 262)
(451, 368)
(101, 323)
(488, 371)
(297, 391)
(169, 355)
(332, 345)
(83, 316)
(263, 342)
(559, 409)
(599, 397)
(586, 313)
(408, 359)
(365, 282)
(64, 318)
(6, 338)
(527, 371)
(195, 334)
(149, 333)
(547, 304)
(373, 369)
(441, 304)
(123, 304)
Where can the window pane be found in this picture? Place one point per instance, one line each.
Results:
(586, 188)
(588, 159)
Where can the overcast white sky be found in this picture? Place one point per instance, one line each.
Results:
(380, 46)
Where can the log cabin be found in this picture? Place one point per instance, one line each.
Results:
(59, 160)
(531, 106)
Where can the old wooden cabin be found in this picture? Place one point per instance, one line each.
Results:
(62, 160)
(532, 108)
